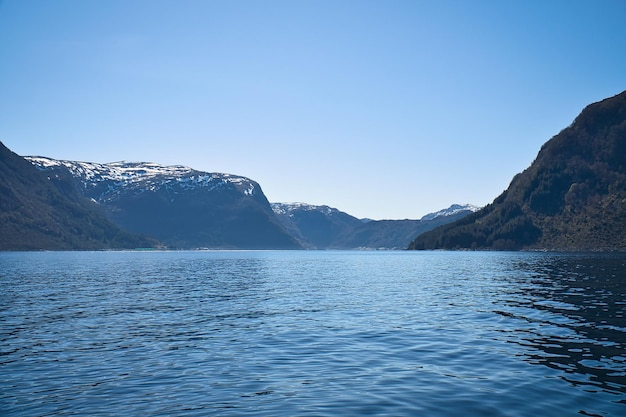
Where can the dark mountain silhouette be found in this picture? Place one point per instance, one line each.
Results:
(38, 212)
(572, 197)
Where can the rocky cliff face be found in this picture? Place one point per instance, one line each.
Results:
(572, 197)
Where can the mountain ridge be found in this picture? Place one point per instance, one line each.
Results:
(182, 207)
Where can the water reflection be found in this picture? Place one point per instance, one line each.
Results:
(570, 312)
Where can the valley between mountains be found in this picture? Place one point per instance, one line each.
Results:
(52, 204)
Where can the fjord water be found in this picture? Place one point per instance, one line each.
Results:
(312, 333)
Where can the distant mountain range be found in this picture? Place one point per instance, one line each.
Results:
(571, 198)
(323, 227)
(50, 204)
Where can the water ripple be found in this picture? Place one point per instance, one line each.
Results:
(312, 333)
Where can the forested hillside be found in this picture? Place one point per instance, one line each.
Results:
(38, 212)
(572, 197)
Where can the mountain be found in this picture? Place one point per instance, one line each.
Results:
(180, 206)
(572, 197)
(397, 234)
(315, 227)
(453, 210)
(39, 212)
(323, 227)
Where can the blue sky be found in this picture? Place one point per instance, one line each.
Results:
(383, 109)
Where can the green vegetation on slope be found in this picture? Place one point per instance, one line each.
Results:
(572, 197)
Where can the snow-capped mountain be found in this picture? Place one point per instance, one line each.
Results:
(180, 206)
(186, 208)
(454, 209)
(103, 182)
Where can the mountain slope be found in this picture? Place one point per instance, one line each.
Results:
(572, 197)
(316, 227)
(38, 212)
(180, 206)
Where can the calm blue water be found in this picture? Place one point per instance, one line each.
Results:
(306, 333)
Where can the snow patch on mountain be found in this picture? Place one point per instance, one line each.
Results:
(450, 211)
(140, 176)
(289, 208)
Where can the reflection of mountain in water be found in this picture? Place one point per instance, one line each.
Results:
(571, 312)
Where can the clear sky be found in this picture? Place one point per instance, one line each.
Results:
(383, 109)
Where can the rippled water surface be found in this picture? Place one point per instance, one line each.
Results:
(307, 333)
